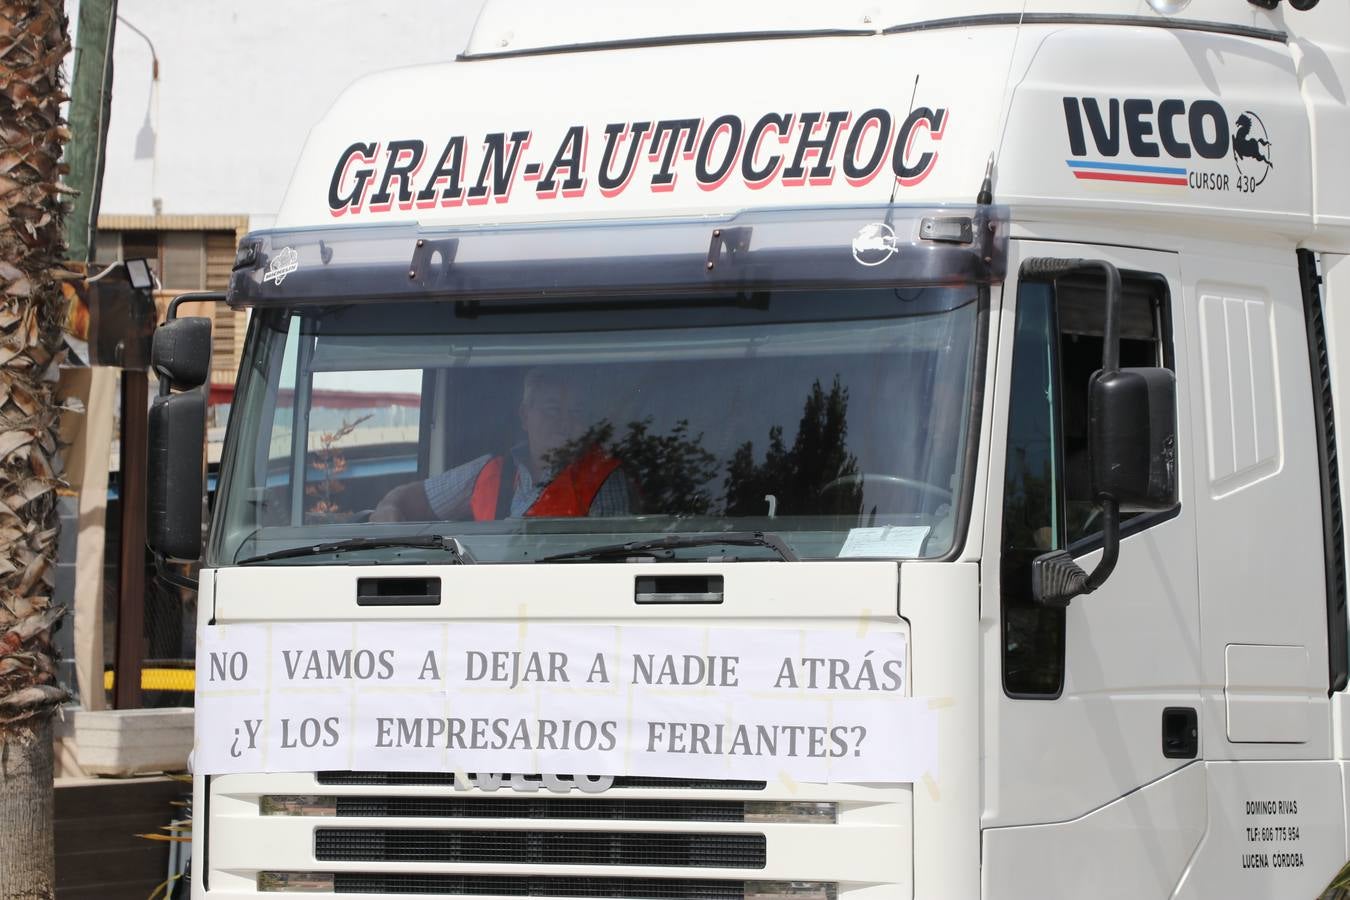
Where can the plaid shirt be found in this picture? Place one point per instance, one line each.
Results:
(451, 492)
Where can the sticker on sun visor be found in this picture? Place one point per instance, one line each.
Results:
(874, 244)
(284, 263)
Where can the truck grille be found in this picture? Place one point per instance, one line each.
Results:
(577, 848)
(538, 886)
(542, 808)
(410, 779)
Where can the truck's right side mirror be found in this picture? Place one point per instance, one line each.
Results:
(1132, 424)
(181, 357)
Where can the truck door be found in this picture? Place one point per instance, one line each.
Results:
(1091, 786)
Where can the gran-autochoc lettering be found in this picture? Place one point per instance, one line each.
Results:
(792, 148)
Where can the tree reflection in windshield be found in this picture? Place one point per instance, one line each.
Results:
(671, 471)
(797, 478)
(674, 475)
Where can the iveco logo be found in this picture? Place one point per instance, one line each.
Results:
(532, 784)
(874, 244)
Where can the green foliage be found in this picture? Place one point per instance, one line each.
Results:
(1339, 889)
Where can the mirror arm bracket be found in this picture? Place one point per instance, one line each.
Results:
(173, 578)
(1056, 577)
(172, 313)
(192, 297)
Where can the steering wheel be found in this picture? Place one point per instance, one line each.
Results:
(889, 480)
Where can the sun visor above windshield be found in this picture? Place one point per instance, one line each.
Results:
(760, 249)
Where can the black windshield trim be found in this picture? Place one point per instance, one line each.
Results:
(677, 40)
(995, 19)
(988, 20)
(978, 377)
(458, 552)
(672, 542)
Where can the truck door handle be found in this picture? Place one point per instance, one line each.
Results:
(678, 589)
(1180, 733)
(398, 592)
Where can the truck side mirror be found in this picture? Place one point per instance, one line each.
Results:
(174, 476)
(181, 352)
(1133, 433)
(181, 357)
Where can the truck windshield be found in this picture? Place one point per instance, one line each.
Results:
(836, 420)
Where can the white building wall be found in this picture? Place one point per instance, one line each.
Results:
(240, 84)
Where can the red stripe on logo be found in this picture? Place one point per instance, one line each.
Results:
(1136, 179)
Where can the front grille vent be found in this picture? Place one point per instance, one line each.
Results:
(394, 779)
(538, 886)
(560, 808)
(565, 848)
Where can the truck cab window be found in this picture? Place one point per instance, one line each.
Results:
(1048, 503)
(823, 416)
(362, 440)
(1079, 312)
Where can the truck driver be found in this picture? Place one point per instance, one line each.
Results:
(529, 480)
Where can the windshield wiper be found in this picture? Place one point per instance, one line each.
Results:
(458, 552)
(673, 542)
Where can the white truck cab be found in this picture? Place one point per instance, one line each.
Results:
(851, 451)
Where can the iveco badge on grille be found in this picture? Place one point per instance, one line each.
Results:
(531, 784)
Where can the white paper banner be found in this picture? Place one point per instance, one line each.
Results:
(559, 699)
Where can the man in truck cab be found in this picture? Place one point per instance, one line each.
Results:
(547, 474)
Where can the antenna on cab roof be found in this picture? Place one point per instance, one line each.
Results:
(895, 183)
(986, 195)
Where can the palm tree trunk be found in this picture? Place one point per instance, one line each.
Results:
(26, 847)
(33, 43)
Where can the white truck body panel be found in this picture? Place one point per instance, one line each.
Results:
(1112, 139)
(1012, 104)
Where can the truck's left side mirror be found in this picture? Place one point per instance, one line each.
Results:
(181, 352)
(181, 357)
(1132, 426)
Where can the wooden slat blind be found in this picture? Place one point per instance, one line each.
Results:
(220, 248)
